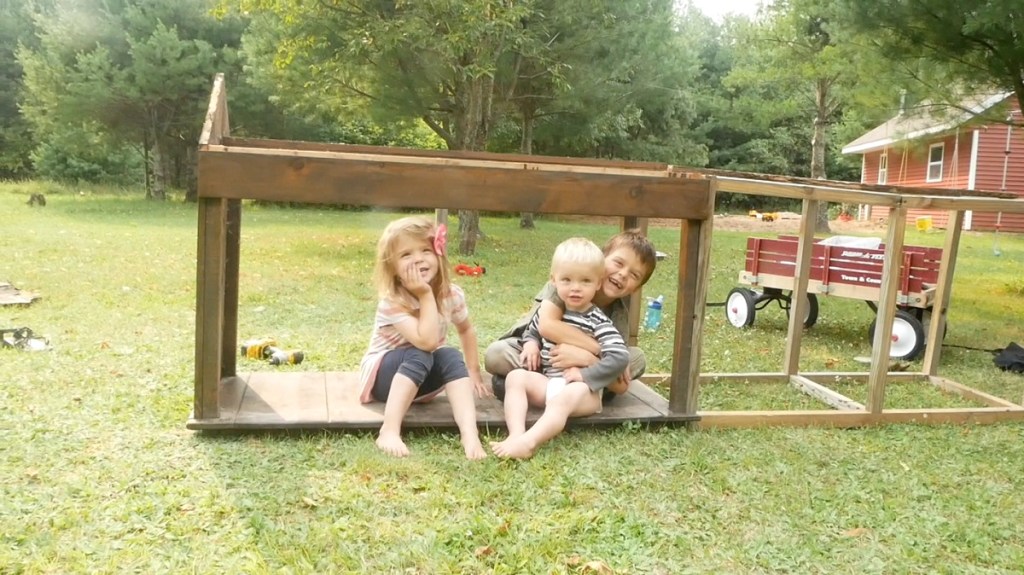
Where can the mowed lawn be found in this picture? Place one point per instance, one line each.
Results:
(99, 475)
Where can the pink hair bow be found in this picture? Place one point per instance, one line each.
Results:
(440, 239)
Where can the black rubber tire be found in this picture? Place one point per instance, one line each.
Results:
(812, 310)
(739, 307)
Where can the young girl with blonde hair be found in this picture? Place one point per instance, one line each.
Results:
(407, 359)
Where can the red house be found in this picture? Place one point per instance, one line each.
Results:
(959, 150)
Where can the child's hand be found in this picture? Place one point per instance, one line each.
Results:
(572, 374)
(413, 281)
(565, 355)
(479, 388)
(530, 356)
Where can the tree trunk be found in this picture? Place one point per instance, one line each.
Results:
(469, 228)
(818, 145)
(472, 124)
(526, 147)
(157, 158)
(191, 174)
(148, 176)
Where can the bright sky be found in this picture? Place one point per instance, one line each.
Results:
(716, 9)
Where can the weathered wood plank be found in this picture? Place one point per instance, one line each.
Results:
(829, 396)
(940, 305)
(801, 276)
(682, 397)
(830, 418)
(970, 393)
(314, 400)
(268, 144)
(387, 183)
(886, 309)
(210, 272)
(286, 397)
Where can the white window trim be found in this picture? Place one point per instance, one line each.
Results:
(883, 173)
(928, 174)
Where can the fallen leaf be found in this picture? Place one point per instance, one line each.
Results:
(598, 567)
(483, 551)
(855, 532)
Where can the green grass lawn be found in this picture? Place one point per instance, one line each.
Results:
(99, 475)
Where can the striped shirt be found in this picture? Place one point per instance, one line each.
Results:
(614, 354)
(385, 337)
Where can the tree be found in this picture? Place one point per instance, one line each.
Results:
(16, 140)
(610, 79)
(970, 43)
(795, 58)
(437, 61)
(138, 70)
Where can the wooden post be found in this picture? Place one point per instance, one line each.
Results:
(940, 304)
(798, 300)
(216, 273)
(691, 304)
(210, 268)
(636, 301)
(886, 309)
(232, 248)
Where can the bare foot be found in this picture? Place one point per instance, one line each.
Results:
(392, 444)
(474, 449)
(516, 447)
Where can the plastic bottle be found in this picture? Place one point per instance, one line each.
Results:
(653, 318)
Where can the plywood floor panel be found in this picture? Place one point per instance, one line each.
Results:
(321, 400)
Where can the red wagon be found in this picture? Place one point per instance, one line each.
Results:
(841, 266)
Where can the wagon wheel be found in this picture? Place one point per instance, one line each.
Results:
(925, 315)
(739, 307)
(812, 310)
(907, 336)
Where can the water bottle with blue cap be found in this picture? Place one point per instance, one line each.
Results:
(653, 319)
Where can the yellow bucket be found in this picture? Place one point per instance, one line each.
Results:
(924, 223)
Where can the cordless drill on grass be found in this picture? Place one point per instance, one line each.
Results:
(265, 349)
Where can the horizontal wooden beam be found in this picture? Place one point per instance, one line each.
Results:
(830, 397)
(805, 191)
(413, 182)
(971, 393)
(1014, 206)
(830, 418)
(297, 145)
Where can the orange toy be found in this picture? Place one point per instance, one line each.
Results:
(468, 270)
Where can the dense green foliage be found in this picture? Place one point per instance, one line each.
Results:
(947, 45)
(100, 90)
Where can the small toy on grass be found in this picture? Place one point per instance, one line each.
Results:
(22, 338)
(470, 270)
(264, 348)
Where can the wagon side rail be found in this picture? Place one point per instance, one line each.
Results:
(842, 271)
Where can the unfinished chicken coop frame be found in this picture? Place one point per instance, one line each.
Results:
(234, 169)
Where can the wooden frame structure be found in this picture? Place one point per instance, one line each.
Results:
(232, 169)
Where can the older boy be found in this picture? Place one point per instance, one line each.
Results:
(629, 260)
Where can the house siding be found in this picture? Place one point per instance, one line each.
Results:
(910, 169)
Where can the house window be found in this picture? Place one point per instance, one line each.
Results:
(883, 168)
(935, 152)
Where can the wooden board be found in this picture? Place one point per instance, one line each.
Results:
(317, 400)
(10, 295)
(387, 180)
